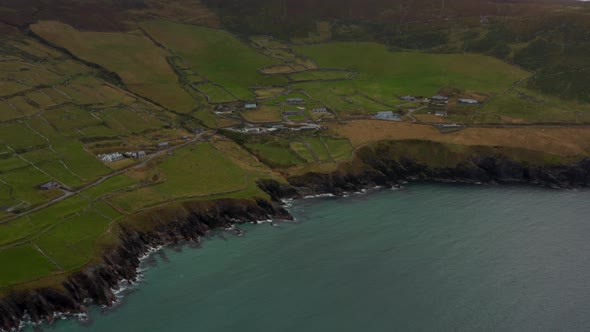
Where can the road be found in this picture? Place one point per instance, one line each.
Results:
(102, 179)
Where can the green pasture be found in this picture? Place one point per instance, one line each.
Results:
(384, 75)
(215, 93)
(113, 184)
(136, 59)
(302, 151)
(321, 75)
(20, 137)
(8, 112)
(275, 153)
(198, 171)
(216, 55)
(23, 106)
(339, 148)
(317, 145)
(24, 263)
(516, 107)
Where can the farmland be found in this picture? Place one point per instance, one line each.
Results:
(152, 113)
(384, 75)
(140, 63)
(211, 53)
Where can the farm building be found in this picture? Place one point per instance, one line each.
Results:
(291, 113)
(408, 98)
(163, 145)
(49, 185)
(251, 106)
(136, 154)
(321, 110)
(439, 98)
(388, 115)
(441, 113)
(468, 101)
(295, 101)
(111, 157)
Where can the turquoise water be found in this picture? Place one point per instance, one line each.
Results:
(429, 258)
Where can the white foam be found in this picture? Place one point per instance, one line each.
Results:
(319, 196)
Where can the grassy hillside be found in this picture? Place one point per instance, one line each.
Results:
(167, 87)
(383, 76)
(141, 65)
(216, 55)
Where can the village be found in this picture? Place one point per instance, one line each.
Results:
(295, 115)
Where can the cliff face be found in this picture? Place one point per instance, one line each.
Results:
(381, 165)
(378, 165)
(97, 281)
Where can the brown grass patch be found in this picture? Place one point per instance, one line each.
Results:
(263, 114)
(562, 141)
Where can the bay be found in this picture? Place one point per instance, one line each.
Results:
(432, 257)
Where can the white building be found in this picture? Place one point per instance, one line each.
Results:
(111, 157)
(468, 101)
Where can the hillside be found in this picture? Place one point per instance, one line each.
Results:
(148, 112)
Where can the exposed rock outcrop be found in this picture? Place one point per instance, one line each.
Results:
(377, 165)
(96, 282)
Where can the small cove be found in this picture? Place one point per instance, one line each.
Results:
(432, 257)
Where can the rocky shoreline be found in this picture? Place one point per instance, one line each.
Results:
(95, 283)
(371, 167)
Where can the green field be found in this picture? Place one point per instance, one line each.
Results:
(519, 108)
(339, 149)
(140, 63)
(321, 75)
(215, 93)
(162, 80)
(216, 55)
(385, 75)
(275, 153)
(58, 239)
(301, 149)
(199, 171)
(191, 172)
(118, 182)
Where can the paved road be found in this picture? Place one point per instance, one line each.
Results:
(101, 180)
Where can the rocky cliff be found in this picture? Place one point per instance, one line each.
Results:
(382, 164)
(96, 283)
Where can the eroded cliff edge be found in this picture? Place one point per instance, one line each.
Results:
(380, 164)
(94, 284)
(392, 163)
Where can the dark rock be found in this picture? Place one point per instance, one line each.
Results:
(96, 282)
(373, 166)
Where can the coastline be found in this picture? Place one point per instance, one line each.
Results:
(99, 284)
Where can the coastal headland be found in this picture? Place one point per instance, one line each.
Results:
(151, 124)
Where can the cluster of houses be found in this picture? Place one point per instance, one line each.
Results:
(111, 157)
(116, 156)
(438, 98)
(250, 129)
(135, 154)
(253, 106)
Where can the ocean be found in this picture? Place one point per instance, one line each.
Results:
(431, 257)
